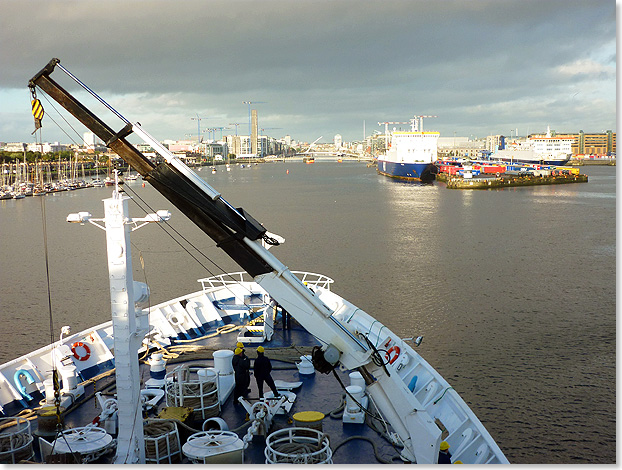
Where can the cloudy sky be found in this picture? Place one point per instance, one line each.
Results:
(321, 67)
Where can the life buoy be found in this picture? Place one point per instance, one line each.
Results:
(87, 351)
(389, 357)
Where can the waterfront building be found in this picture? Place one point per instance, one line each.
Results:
(461, 147)
(592, 144)
(238, 144)
(92, 143)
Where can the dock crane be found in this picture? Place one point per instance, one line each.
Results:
(386, 125)
(417, 122)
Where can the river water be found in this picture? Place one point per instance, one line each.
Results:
(514, 290)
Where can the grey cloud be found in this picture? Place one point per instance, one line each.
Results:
(332, 61)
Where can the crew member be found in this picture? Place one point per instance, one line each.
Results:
(263, 367)
(241, 366)
(444, 456)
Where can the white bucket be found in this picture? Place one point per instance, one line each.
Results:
(222, 361)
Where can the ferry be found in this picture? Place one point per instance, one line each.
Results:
(155, 383)
(547, 150)
(411, 154)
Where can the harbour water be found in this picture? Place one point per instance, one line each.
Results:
(514, 290)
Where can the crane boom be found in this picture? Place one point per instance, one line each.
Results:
(240, 236)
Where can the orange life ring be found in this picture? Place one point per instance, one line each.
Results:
(392, 349)
(87, 350)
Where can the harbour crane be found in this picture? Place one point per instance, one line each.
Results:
(386, 125)
(417, 122)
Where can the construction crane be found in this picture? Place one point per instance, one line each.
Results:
(417, 122)
(236, 124)
(269, 128)
(198, 120)
(213, 131)
(386, 125)
(219, 129)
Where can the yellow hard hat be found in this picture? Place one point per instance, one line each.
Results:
(237, 351)
(458, 461)
(444, 445)
(260, 349)
(240, 345)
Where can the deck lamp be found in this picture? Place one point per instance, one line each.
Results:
(79, 217)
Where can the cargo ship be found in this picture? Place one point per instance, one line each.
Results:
(411, 154)
(547, 150)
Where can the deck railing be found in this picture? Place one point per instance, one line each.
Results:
(215, 282)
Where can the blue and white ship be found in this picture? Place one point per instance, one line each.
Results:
(537, 150)
(411, 154)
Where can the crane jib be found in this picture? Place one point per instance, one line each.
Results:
(226, 225)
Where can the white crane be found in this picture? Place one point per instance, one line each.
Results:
(417, 122)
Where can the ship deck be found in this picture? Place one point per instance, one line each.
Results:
(319, 392)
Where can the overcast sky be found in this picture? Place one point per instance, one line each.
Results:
(320, 67)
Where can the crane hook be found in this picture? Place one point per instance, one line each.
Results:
(37, 109)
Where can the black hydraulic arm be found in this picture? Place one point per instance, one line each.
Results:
(217, 218)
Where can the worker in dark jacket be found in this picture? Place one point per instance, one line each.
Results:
(262, 369)
(241, 367)
(444, 456)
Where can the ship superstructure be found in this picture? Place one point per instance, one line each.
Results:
(544, 150)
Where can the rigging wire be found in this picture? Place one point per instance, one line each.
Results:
(150, 209)
(47, 268)
(63, 118)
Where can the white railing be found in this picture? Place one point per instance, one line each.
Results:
(308, 278)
